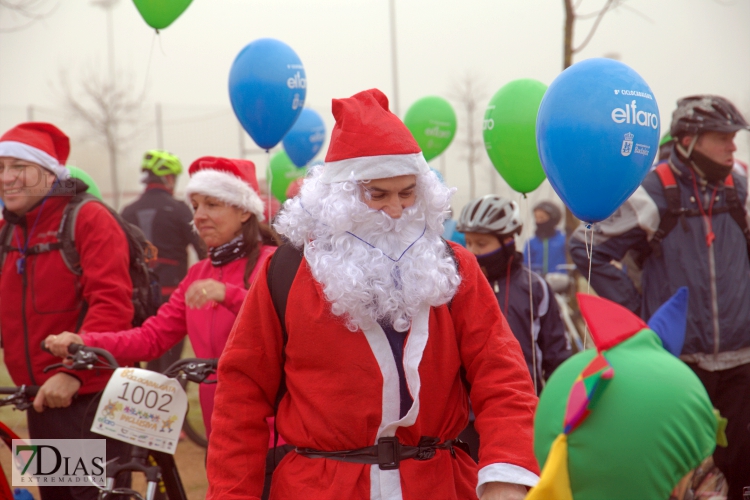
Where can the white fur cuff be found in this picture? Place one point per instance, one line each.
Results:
(368, 168)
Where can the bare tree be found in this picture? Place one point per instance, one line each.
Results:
(25, 11)
(109, 109)
(571, 16)
(470, 93)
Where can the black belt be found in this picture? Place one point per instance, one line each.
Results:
(389, 452)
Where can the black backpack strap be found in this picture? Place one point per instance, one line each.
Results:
(736, 210)
(6, 234)
(66, 234)
(284, 265)
(66, 237)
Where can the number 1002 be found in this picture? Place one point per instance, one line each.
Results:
(149, 398)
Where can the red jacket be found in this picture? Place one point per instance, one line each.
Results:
(343, 393)
(208, 327)
(47, 298)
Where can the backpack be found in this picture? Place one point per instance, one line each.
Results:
(675, 212)
(146, 290)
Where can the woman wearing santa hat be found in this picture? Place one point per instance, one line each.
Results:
(228, 216)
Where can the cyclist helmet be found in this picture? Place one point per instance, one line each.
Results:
(705, 113)
(161, 163)
(491, 214)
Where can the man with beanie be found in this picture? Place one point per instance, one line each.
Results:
(167, 223)
(41, 296)
(547, 248)
(386, 331)
(688, 223)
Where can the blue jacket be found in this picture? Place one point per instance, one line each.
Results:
(552, 346)
(717, 276)
(546, 254)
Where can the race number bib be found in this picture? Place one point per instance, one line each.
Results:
(143, 408)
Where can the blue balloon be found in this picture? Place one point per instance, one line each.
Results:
(305, 138)
(267, 88)
(597, 133)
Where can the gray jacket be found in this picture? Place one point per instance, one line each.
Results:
(718, 276)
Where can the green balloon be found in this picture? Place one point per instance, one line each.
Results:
(77, 173)
(652, 424)
(161, 13)
(510, 133)
(432, 122)
(282, 172)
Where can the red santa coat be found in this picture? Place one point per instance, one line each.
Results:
(343, 393)
(48, 298)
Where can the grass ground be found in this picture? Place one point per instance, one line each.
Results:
(189, 457)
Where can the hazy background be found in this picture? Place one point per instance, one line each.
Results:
(680, 47)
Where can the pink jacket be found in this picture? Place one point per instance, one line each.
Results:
(208, 328)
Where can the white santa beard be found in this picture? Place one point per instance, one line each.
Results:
(358, 280)
(366, 284)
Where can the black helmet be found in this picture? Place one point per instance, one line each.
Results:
(705, 113)
(552, 210)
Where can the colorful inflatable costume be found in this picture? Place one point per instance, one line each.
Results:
(627, 421)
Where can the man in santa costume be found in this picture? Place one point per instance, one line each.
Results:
(387, 331)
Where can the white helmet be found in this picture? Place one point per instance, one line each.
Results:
(491, 214)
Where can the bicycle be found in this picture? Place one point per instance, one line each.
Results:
(561, 284)
(158, 467)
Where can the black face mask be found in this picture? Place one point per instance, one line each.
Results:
(494, 265)
(712, 171)
(546, 230)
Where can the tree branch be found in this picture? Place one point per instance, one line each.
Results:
(607, 7)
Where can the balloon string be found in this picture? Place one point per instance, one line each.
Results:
(589, 254)
(148, 65)
(531, 305)
(269, 175)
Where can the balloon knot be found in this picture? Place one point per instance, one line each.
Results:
(524, 195)
(157, 31)
(588, 226)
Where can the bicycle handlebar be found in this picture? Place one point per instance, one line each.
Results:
(29, 390)
(20, 397)
(84, 357)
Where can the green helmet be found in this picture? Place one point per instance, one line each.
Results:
(161, 163)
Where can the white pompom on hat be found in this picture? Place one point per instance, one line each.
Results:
(40, 143)
(229, 180)
(369, 142)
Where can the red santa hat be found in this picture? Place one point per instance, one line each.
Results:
(40, 143)
(369, 142)
(231, 181)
